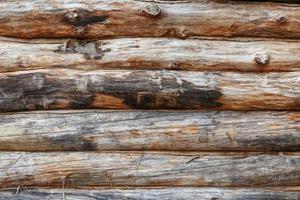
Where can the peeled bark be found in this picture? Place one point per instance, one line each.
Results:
(151, 53)
(152, 130)
(148, 169)
(119, 18)
(151, 194)
(73, 89)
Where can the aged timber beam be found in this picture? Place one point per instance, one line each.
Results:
(151, 53)
(94, 130)
(115, 18)
(279, 1)
(141, 89)
(78, 169)
(174, 193)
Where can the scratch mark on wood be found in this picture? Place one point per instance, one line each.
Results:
(191, 160)
(18, 190)
(139, 161)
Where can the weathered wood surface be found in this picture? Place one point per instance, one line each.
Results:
(152, 130)
(122, 89)
(279, 1)
(148, 169)
(151, 194)
(151, 53)
(116, 18)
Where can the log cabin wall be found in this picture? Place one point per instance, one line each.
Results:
(149, 99)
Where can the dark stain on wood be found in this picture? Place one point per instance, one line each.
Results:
(267, 144)
(135, 95)
(75, 142)
(174, 32)
(81, 18)
(44, 90)
(67, 142)
(292, 176)
(89, 49)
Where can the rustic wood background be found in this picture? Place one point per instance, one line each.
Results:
(149, 99)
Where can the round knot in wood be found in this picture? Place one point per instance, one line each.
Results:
(152, 9)
(262, 58)
(281, 19)
(72, 15)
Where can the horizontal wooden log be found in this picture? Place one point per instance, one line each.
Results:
(151, 53)
(64, 89)
(148, 169)
(116, 18)
(147, 194)
(113, 130)
(279, 1)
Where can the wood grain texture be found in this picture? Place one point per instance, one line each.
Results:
(151, 194)
(279, 1)
(151, 53)
(120, 18)
(148, 169)
(122, 89)
(151, 130)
